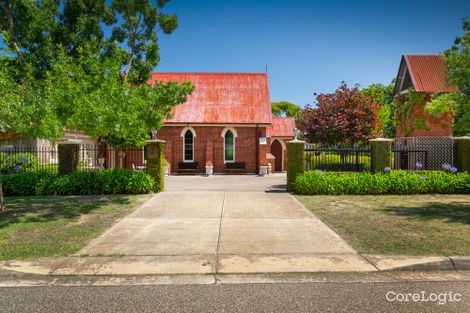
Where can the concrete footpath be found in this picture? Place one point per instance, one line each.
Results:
(223, 225)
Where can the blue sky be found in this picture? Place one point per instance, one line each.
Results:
(308, 46)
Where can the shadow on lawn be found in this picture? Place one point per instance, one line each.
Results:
(46, 209)
(448, 212)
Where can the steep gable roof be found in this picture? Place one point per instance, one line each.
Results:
(221, 98)
(283, 126)
(425, 73)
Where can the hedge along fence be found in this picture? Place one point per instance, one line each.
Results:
(394, 182)
(115, 181)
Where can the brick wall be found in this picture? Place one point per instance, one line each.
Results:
(436, 126)
(207, 136)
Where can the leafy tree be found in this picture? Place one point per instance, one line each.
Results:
(285, 108)
(138, 29)
(383, 95)
(347, 115)
(58, 70)
(458, 74)
(35, 29)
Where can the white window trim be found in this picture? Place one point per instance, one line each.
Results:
(235, 135)
(183, 132)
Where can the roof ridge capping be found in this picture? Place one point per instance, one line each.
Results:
(213, 73)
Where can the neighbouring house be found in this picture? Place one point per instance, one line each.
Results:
(226, 123)
(426, 75)
(46, 150)
(422, 138)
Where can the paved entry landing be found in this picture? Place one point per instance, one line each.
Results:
(226, 224)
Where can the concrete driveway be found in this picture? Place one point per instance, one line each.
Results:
(221, 224)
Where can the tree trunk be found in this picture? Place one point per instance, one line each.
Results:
(2, 202)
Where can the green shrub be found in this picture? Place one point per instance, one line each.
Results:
(17, 162)
(22, 184)
(395, 182)
(116, 181)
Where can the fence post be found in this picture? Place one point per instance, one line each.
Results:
(155, 157)
(295, 161)
(68, 157)
(380, 154)
(462, 153)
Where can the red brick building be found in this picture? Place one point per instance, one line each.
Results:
(226, 122)
(426, 74)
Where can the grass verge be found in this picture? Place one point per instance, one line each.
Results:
(52, 226)
(398, 225)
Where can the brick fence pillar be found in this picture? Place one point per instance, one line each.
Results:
(462, 154)
(296, 162)
(381, 154)
(69, 155)
(155, 156)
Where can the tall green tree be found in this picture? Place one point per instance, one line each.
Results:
(59, 70)
(458, 74)
(285, 108)
(386, 121)
(141, 20)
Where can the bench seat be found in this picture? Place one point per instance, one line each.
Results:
(235, 167)
(188, 167)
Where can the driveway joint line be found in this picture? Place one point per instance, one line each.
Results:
(368, 261)
(216, 266)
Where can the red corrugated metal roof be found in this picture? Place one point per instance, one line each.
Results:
(282, 127)
(222, 98)
(428, 73)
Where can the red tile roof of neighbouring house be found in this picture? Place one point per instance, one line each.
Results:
(221, 98)
(282, 127)
(428, 73)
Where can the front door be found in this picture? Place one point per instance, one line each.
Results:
(276, 150)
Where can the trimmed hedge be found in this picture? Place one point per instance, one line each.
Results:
(296, 166)
(395, 182)
(116, 181)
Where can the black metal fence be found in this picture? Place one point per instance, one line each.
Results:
(338, 158)
(91, 158)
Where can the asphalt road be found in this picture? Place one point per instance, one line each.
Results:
(280, 297)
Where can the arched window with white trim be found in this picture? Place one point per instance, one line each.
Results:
(188, 146)
(229, 146)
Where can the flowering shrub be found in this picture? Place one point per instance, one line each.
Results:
(392, 182)
(17, 162)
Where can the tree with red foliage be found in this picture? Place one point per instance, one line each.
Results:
(345, 116)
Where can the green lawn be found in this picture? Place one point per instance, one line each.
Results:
(398, 225)
(50, 226)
